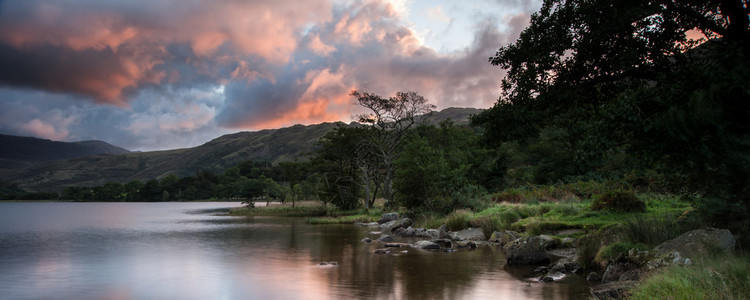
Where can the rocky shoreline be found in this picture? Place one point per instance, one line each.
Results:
(557, 257)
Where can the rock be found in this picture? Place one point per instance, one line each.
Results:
(392, 226)
(503, 237)
(385, 218)
(565, 265)
(328, 263)
(568, 242)
(426, 245)
(593, 276)
(699, 242)
(385, 238)
(367, 240)
(471, 234)
(445, 243)
(366, 224)
(421, 232)
(546, 279)
(669, 259)
(613, 290)
(541, 269)
(621, 271)
(466, 244)
(442, 232)
(396, 245)
(405, 232)
(548, 241)
(433, 233)
(527, 250)
(383, 251)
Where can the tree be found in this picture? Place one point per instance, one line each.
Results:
(389, 120)
(624, 76)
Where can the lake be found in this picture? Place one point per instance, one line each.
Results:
(190, 251)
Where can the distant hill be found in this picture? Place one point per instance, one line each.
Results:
(273, 145)
(17, 152)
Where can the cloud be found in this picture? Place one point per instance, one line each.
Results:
(154, 75)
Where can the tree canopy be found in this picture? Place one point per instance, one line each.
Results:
(602, 80)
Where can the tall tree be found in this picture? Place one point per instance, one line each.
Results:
(389, 120)
(627, 75)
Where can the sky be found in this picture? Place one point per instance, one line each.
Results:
(150, 75)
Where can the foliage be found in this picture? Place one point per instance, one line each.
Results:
(588, 247)
(458, 220)
(615, 250)
(599, 90)
(390, 119)
(618, 201)
(721, 277)
(654, 230)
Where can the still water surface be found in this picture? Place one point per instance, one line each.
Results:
(189, 251)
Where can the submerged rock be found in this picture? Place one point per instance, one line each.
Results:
(426, 245)
(383, 251)
(385, 238)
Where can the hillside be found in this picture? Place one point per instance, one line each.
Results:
(274, 145)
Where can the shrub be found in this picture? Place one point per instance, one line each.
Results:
(458, 220)
(618, 201)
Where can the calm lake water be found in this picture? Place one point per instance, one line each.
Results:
(187, 251)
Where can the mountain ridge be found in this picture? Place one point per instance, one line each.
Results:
(273, 145)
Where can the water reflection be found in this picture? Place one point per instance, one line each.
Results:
(190, 251)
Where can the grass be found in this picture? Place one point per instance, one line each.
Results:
(719, 277)
(282, 211)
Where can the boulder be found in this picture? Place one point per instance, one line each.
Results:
(442, 232)
(367, 240)
(385, 218)
(565, 265)
(698, 242)
(471, 234)
(383, 251)
(392, 226)
(613, 290)
(433, 233)
(466, 244)
(385, 238)
(405, 232)
(395, 245)
(527, 250)
(568, 242)
(426, 245)
(503, 237)
(621, 271)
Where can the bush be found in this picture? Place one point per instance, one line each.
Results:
(458, 220)
(618, 201)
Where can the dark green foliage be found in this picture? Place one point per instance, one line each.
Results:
(599, 90)
(588, 247)
(618, 201)
(615, 251)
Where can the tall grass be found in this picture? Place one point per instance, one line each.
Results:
(458, 220)
(654, 230)
(720, 277)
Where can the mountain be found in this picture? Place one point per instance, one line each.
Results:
(273, 145)
(17, 152)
